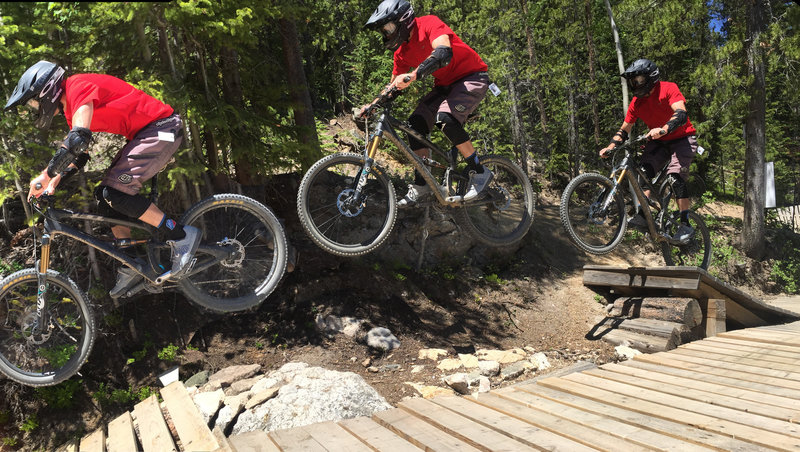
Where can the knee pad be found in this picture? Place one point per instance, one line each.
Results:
(132, 206)
(679, 186)
(451, 128)
(649, 171)
(419, 124)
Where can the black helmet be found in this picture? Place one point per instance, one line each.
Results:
(395, 20)
(42, 82)
(642, 75)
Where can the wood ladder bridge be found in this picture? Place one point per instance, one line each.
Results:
(734, 390)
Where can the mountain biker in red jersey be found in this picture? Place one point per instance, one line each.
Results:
(460, 83)
(103, 103)
(662, 107)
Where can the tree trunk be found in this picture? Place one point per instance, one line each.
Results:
(620, 61)
(87, 225)
(232, 93)
(685, 311)
(535, 81)
(592, 73)
(572, 136)
(301, 97)
(517, 131)
(755, 134)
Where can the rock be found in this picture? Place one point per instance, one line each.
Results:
(230, 374)
(484, 385)
(311, 395)
(489, 368)
(261, 397)
(227, 414)
(367, 362)
(382, 339)
(514, 370)
(625, 353)
(373, 369)
(417, 369)
(459, 382)
(238, 387)
(502, 356)
(539, 361)
(468, 361)
(198, 379)
(331, 325)
(429, 392)
(208, 403)
(391, 367)
(431, 353)
(449, 364)
(239, 399)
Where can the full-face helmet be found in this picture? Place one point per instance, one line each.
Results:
(642, 76)
(394, 19)
(40, 87)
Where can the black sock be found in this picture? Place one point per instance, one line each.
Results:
(418, 180)
(685, 217)
(171, 229)
(473, 164)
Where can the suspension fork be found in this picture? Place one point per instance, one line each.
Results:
(41, 276)
(369, 158)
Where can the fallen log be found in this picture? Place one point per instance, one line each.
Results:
(685, 311)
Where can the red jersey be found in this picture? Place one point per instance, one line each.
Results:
(410, 54)
(656, 109)
(119, 108)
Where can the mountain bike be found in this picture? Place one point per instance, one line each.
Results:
(595, 215)
(47, 328)
(695, 183)
(347, 205)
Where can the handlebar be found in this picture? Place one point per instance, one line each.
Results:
(386, 96)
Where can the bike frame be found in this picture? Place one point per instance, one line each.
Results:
(385, 128)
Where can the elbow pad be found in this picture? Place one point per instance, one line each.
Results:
(75, 144)
(678, 119)
(440, 58)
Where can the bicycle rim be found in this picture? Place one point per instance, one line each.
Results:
(504, 212)
(55, 353)
(697, 253)
(594, 220)
(332, 215)
(252, 271)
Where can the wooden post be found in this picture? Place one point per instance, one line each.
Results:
(715, 316)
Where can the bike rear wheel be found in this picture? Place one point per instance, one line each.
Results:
(255, 267)
(593, 217)
(696, 253)
(43, 357)
(504, 213)
(332, 216)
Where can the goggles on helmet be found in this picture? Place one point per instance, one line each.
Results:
(388, 29)
(638, 81)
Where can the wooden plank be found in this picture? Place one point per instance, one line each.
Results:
(756, 363)
(377, 437)
(714, 321)
(478, 434)
(766, 382)
(690, 406)
(192, 429)
(153, 432)
(71, 446)
(94, 442)
(295, 440)
(557, 422)
(419, 432)
(767, 337)
(334, 437)
(777, 377)
(763, 355)
(224, 445)
(689, 390)
(615, 279)
(255, 441)
(677, 433)
(121, 436)
(792, 337)
(766, 350)
(744, 432)
(754, 344)
(711, 383)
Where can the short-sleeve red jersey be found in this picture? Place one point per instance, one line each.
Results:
(119, 108)
(656, 109)
(411, 53)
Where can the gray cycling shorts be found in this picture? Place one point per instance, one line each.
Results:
(145, 155)
(459, 98)
(678, 152)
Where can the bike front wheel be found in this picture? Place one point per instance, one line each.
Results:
(504, 213)
(256, 245)
(696, 253)
(337, 218)
(593, 213)
(43, 350)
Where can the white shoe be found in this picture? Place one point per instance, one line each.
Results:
(684, 234)
(478, 183)
(416, 193)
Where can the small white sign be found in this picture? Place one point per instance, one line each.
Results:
(769, 183)
(494, 89)
(166, 136)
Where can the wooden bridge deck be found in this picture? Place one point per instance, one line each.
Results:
(739, 390)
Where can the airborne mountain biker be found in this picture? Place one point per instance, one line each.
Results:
(460, 83)
(662, 107)
(103, 103)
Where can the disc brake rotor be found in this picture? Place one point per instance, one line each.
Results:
(346, 204)
(237, 257)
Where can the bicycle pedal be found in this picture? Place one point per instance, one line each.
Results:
(455, 199)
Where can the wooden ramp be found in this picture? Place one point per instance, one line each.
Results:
(737, 391)
(721, 303)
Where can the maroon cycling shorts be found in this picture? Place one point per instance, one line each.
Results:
(678, 152)
(459, 98)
